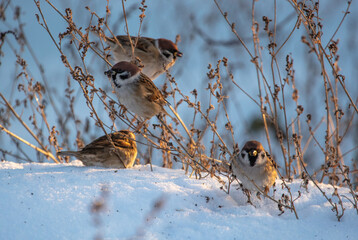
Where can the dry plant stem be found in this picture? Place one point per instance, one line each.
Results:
(338, 156)
(141, 19)
(253, 59)
(248, 95)
(214, 130)
(183, 124)
(289, 192)
(42, 112)
(327, 117)
(64, 59)
(349, 125)
(4, 152)
(190, 156)
(312, 132)
(40, 67)
(25, 125)
(109, 29)
(275, 99)
(256, 47)
(129, 37)
(46, 153)
(340, 24)
(74, 28)
(143, 134)
(176, 139)
(259, 69)
(228, 119)
(233, 29)
(351, 191)
(288, 157)
(175, 112)
(226, 112)
(287, 162)
(309, 27)
(298, 164)
(155, 144)
(288, 37)
(314, 182)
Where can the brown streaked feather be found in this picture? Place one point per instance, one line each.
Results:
(271, 172)
(101, 153)
(154, 94)
(144, 44)
(102, 142)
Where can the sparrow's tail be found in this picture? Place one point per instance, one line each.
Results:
(67, 153)
(111, 41)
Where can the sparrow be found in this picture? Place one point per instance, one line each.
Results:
(157, 55)
(136, 91)
(256, 164)
(101, 153)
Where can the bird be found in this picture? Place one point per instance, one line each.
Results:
(136, 91)
(156, 55)
(253, 163)
(101, 152)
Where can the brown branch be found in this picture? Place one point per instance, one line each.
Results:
(46, 153)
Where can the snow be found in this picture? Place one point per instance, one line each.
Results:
(54, 201)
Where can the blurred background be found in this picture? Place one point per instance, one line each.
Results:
(205, 38)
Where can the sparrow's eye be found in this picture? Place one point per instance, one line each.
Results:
(242, 155)
(167, 54)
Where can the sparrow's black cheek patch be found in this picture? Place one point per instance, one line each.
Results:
(124, 76)
(116, 83)
(167, 54)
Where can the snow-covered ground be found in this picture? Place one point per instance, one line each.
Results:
(58, 201)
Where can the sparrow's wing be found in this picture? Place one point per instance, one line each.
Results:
(118, 139)
(153, 94)
(122, 39)
(146, 44)
(143, 44)
(100, 142)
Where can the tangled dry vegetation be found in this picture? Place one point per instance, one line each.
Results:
(211, 128)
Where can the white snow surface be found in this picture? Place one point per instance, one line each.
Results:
(54, 201)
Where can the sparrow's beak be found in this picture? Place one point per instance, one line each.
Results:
(178, 54)
(108, 73)
(253, 153)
